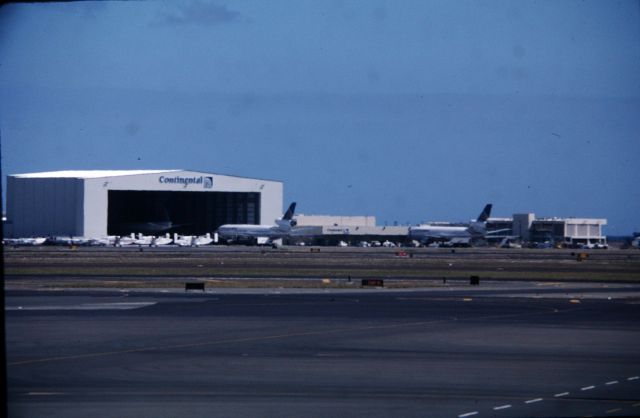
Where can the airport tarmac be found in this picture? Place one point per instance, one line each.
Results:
(538, 349)
(44, 265)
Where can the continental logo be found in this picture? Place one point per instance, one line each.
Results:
(205, 182)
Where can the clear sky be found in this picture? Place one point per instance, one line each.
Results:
(407, 110)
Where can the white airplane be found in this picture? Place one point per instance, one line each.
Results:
(103, 241)
(125, 240)
(162, 240)
(24, 241)
(202, 240)
(141, 240)
(457, 235)
(70, 240)
(259, 233)
(183, 240)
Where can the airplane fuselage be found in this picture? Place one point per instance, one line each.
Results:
(439, 232)
(250, 231)
(259, 233)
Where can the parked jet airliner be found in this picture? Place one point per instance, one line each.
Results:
(454, 234)
(261, 234)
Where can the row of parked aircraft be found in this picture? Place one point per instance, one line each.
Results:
(267, 234)
(423, 234)
(118, 241)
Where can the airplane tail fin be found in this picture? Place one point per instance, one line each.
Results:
(478, 227)
(287, 220)
(289, 213)
(484, 215)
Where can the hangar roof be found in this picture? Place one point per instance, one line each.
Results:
(95, 174)
(90, 174)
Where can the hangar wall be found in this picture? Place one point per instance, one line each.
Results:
(45, 206)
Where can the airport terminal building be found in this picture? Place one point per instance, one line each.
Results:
(332, 229)
(329, 230)
(568, 231)
(96, 203)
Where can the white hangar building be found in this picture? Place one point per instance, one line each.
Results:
(96, 203)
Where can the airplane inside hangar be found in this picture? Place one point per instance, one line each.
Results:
(188, 213)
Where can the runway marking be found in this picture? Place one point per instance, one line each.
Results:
(533, 400)
(559, 395)
(613, 382)
(611, 411)
(497, 408)
(44, 393)
(587, 388)
(83, 307)
(438, 299)
(468, 414)
(288, 394)
(633, 378)
(271, 337)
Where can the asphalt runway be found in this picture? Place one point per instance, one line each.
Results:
(464, 352)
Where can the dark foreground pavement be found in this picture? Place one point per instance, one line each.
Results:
(375, 354)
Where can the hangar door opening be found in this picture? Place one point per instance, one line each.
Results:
(187, 213)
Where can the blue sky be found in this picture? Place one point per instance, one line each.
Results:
(409, 111)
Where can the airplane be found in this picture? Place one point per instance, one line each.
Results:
(147, 228)
(145, 240)
(134, 239)
(155, 227)
(125, 240)
(192, 240)
(259, 234)
(161, 240)
(183, 240)
(453, 235)
(70, 240)
(103, 241)
(202, 240)
(24, 241)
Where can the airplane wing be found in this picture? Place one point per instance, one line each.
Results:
(497, 231)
